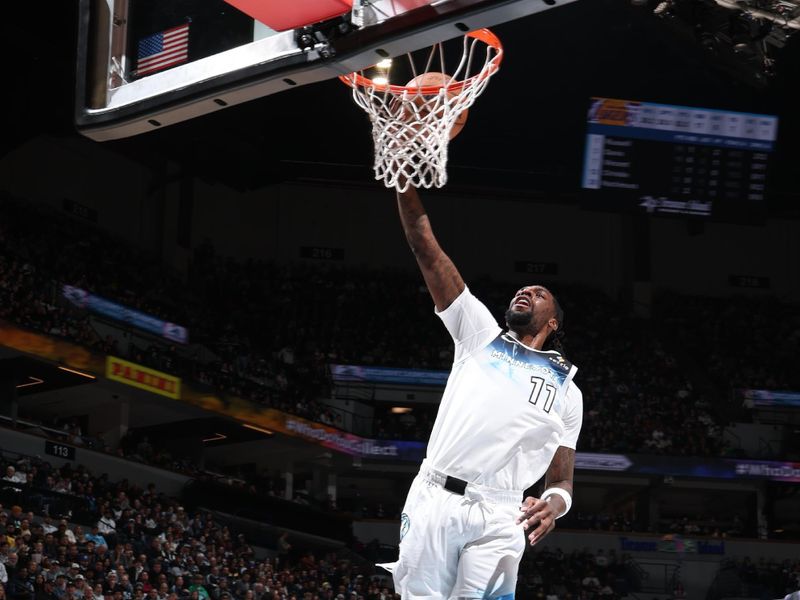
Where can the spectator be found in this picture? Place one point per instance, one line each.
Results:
(107, 528)
(95, 537)
(45, 591)
(13, 476)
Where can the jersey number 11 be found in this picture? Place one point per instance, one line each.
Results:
(541, 388)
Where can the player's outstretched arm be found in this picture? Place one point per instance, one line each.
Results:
(441, 276)
(543, 512)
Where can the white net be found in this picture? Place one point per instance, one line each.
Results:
(411, 126)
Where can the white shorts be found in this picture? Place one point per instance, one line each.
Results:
(454, 546)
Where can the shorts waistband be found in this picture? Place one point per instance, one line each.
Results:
(469, 490)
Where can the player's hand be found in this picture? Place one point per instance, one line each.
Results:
(402, 179)
(539, 514)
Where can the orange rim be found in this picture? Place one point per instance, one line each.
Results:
(355, 79)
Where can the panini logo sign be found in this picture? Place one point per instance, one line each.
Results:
(142, 377)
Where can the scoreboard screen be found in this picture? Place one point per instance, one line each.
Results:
(664, 159)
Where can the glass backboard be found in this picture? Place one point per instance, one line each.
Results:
(146, 64)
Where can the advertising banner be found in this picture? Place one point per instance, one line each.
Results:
(118, 312)
(673, 544)
(762, 398)
(686, 466)
(143, 378)
(353, 444)
(360, 374)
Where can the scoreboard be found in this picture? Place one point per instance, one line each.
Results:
(661, 158)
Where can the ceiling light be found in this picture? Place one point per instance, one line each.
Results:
(31, 381)
(256, 428)
(68, 370)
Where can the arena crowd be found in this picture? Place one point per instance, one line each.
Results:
(255, 335)
(134, 543)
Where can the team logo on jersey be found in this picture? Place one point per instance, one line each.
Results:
(508, 349)
(405, 523)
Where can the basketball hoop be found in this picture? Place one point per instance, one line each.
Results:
(411, 124)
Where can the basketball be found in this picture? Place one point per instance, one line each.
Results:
(438, 79)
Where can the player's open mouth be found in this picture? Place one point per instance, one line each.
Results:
(521, 303)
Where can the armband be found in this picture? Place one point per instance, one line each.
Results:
(564, 495)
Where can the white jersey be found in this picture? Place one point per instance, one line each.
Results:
(506, 408)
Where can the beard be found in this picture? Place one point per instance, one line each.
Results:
(517, 320)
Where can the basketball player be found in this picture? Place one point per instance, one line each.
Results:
(510, 413)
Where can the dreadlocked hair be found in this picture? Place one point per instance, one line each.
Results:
(555, 341)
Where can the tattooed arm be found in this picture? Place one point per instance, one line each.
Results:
(547, 509)
(441, 276)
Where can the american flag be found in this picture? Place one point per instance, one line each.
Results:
(162, 50)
